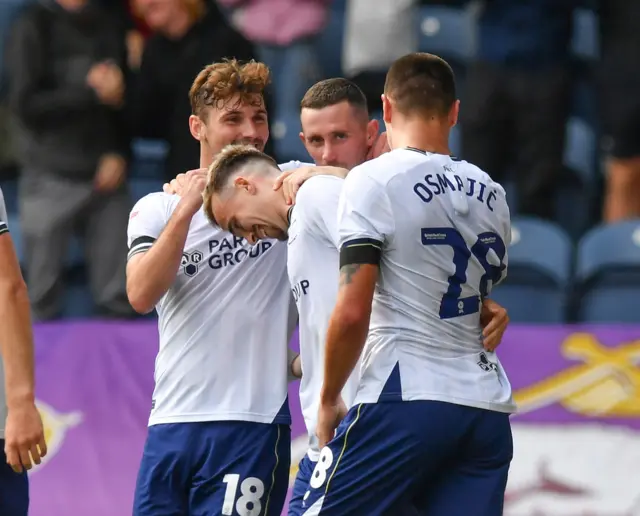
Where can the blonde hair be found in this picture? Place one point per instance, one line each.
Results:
(218, 83)
(228, 161)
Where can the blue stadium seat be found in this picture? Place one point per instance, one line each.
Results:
(148, 158)
(585, 44)
(77, 301)
(608, 274)
(448, 32)
(285, 132)
(141, 187)
(329, 43)
(535, 290)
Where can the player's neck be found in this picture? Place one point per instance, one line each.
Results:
(205, 157)
(284, 212)
(426, 136)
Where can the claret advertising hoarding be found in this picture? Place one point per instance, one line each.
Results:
(577, 433)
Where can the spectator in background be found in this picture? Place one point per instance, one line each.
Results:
(66, 66)
(284, 33)
(374, 38)
(187, 35)
(619, 78)
(9, 12)
(518, 96)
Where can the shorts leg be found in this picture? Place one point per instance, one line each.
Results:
(300, 486)
(243, 469)
(475, 482)
(14, 489)
(374, 462)
(162, 488)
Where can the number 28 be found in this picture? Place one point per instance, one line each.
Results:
(452, 304)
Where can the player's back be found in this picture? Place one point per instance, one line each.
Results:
(446, 227)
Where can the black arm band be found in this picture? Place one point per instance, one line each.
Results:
(361, 251)
(140, 245)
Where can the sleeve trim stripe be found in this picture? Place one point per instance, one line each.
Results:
(3, 228)
(359, 242)
(140, 246)
(138, 250)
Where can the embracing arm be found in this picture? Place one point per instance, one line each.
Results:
(348, 326)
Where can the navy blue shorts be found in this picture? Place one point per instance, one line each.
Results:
(301, 486)
(416, 457)
(14, 488)
(225, 468)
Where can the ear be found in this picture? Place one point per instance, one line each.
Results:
(197, 127)
(453, 114)
(387, 108)
(373, 130)
(302, 138)
(244, 184)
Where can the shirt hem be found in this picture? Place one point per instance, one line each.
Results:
(508, 408)
(205, 418)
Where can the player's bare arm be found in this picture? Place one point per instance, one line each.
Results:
(291, 180)
(346, 336)
(24, 434)
(151, 274)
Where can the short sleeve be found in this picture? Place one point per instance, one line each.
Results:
(147, 220)
(4, 226)
(364, 211)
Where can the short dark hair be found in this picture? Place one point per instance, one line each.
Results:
(225, 166)
(334, 91)
(421, 82)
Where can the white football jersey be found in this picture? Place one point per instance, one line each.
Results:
(224, 324)
(314, 273)
(444, 227)
(4, 228)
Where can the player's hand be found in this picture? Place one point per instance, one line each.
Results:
(24, 437)
(494, 320)
(111, 173)
(379, 147)
(177, 185)
(291, 180)
(329, 417)
(191, 192)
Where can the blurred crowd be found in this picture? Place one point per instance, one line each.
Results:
(83, 79)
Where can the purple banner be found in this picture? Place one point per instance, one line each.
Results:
(576, 438)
